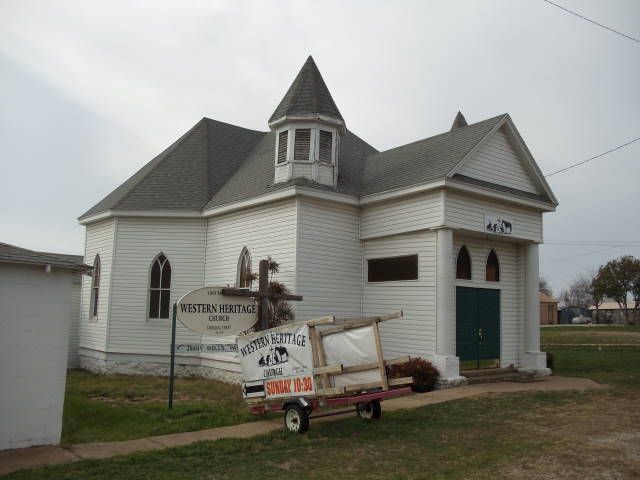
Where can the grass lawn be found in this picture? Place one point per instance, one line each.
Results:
(529, 435)
(592, 334)
(121, 407)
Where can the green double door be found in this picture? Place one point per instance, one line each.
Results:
(478, 327)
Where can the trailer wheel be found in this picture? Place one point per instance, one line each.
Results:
(369, 410)
(296, 419)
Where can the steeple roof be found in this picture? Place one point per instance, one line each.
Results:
(459, 121)
(308, 95)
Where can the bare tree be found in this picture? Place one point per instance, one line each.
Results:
(544, 287)
(578, 292)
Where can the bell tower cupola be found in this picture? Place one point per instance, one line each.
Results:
(308, 128)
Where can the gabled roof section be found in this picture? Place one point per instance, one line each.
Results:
(308, 95)
(187, 174)
(12, 254)
(422, 161)
(501, 161)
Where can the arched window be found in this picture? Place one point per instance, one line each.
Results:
(463, 264)
(95, 286)
(244, 277)
(493, 267)
(160, 287)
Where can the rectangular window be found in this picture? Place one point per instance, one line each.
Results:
(302, 144)
(393, 269)
(326, 145)
(283, 138)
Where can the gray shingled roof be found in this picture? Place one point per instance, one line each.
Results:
(422, 161)
(13, 254)
(187, 174)
(307, 95)
(215, 164)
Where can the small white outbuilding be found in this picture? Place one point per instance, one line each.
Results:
(39, 298)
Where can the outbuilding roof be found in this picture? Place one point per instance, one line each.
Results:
(12, 254)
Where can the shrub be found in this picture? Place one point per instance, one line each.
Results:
(550, 360)
(424, 374)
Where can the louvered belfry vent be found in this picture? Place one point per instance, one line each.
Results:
(326, 145)
(302, 144)
(283, 138)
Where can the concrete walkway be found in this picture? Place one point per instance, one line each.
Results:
(12, 460)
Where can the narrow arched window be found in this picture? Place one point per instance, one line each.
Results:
(95, 286)
(160, 287)
(493, 267)
(244, 276)
(463, 264)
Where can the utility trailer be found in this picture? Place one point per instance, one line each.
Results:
(323, 362)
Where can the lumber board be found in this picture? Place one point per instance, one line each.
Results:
(381, 367)
(368, 320)
(362, 386)
(326, 392)
(337, 368)
(342, 328)
(321, 321)
(394, 382)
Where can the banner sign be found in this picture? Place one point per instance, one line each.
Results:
(207, 312)
(207, 347)
(281, 358)
(498, 224)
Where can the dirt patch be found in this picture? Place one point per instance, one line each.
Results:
(598, 439)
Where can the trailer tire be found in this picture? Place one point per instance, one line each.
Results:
(369, 410)
(296, 418)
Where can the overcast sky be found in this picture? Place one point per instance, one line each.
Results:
(90, 91)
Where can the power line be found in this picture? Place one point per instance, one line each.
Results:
(591, 21)
(592, 158)
(594, 243)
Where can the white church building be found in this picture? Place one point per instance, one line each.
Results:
(446, 229)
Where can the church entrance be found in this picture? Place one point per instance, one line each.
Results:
(478, 327)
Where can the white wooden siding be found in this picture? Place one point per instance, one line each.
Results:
(281, 173)
(467, 212)
(510, 285)
(268, 230)
(301, 169)
(99, 239)
(409, 214)
(329, 260)
(73, 361)
(496, 161)
(415, 334)
(139, 241)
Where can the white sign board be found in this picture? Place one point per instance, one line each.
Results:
(281, 358)
(207, 312)
(498, 224)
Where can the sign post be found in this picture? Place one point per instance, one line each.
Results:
(173, 355)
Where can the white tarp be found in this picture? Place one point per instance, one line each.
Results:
(350, 348)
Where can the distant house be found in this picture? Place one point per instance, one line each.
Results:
(610, 312)
(548, 309)
(39, 303)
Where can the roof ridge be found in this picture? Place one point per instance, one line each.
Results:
(451, 132)
(209, 119)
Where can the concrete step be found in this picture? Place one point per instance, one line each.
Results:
(487, 372)
(513, 376)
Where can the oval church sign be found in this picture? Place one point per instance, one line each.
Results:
(208, 312)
